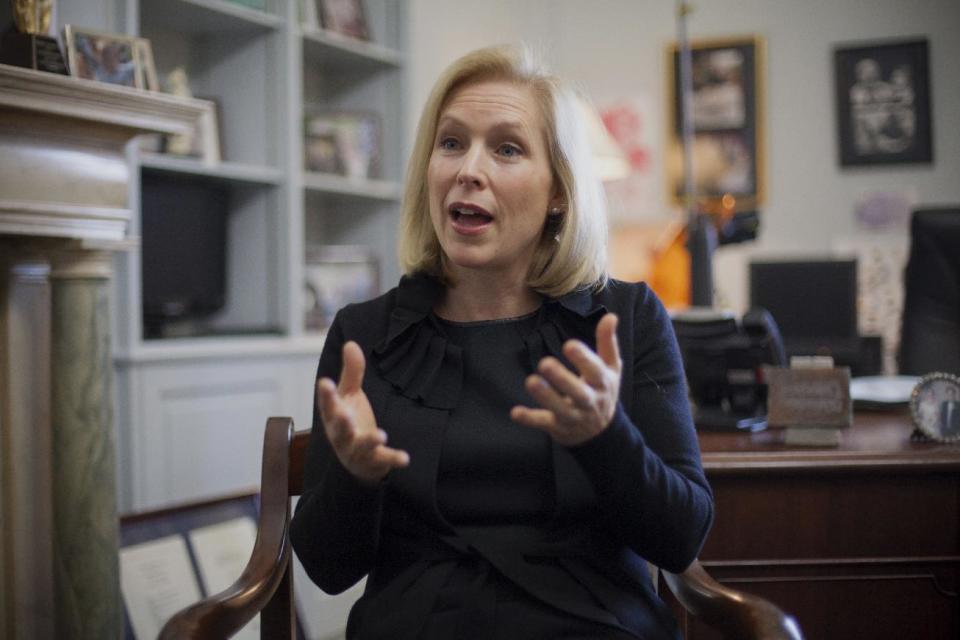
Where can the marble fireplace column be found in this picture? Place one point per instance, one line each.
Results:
(86, 566)
(26, 512)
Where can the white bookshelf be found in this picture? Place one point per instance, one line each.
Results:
(234, 172)
(334, 50)
(202, 17)
(255, 358)
(361, 189)
(190, 409)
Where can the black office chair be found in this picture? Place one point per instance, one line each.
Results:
(930, 336)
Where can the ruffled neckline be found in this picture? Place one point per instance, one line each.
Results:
(419, 360)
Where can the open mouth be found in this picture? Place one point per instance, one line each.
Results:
(469, 216)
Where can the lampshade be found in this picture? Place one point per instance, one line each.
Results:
(608, 158)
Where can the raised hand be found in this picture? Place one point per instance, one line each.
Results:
(350, 425)
(575, 408)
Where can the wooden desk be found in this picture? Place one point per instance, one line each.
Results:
(861, 541)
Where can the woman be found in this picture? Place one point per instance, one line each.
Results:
(531, 470)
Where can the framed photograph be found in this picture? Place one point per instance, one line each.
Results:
(346, 143)
(334, 276)
(171, 558)
(935, 407)
(345, 17)
(727, 116)
(146, 66)
(107, 57)
(883, 103)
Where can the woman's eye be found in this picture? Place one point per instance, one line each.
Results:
(448, 143)
(509, 150)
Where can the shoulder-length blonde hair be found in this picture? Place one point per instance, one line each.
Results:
(577, 258)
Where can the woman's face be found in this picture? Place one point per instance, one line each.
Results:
(489, 178)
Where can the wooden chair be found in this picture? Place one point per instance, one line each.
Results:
(266, 584)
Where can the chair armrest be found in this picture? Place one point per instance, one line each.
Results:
(223, 614)
(733, 613)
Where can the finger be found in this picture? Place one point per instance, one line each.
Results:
(547, 397)
(588, 364)
(537, 418)
(386, 458)
(607, 347)
(566, 382)
(327, 401)
(337, 422)
(351, 375)
(365, 444)
(341, 434)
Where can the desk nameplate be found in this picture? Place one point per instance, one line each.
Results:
(812, 398)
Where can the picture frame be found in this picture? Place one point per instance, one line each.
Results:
(106, 57)
(346, 17)
(728, 151)
(346, 143)
(935, 407)
(334, 276)
(883, 103)
(147, 67)
(166, 561)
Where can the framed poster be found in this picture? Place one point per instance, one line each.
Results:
(883, 103)
(727, 117)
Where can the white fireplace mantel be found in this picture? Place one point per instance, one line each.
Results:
(64, 182)
(97, 102)
(63, 172)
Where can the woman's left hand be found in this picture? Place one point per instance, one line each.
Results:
(576, 408)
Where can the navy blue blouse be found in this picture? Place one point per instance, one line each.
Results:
(484, 452)
(633, 494)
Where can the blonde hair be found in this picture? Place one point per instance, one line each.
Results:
(578, 257)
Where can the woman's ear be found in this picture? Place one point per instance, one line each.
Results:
(558, 206)
(558, 199)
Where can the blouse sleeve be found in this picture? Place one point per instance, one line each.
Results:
(646, 466)
(334, 529)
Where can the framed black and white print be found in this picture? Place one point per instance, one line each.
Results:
(883, 103)
(727, 104)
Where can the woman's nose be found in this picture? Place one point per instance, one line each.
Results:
(471, 170)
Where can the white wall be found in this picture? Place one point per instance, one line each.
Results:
(616, 48)
(440, 31)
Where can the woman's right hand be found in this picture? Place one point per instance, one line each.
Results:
(350, 425)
